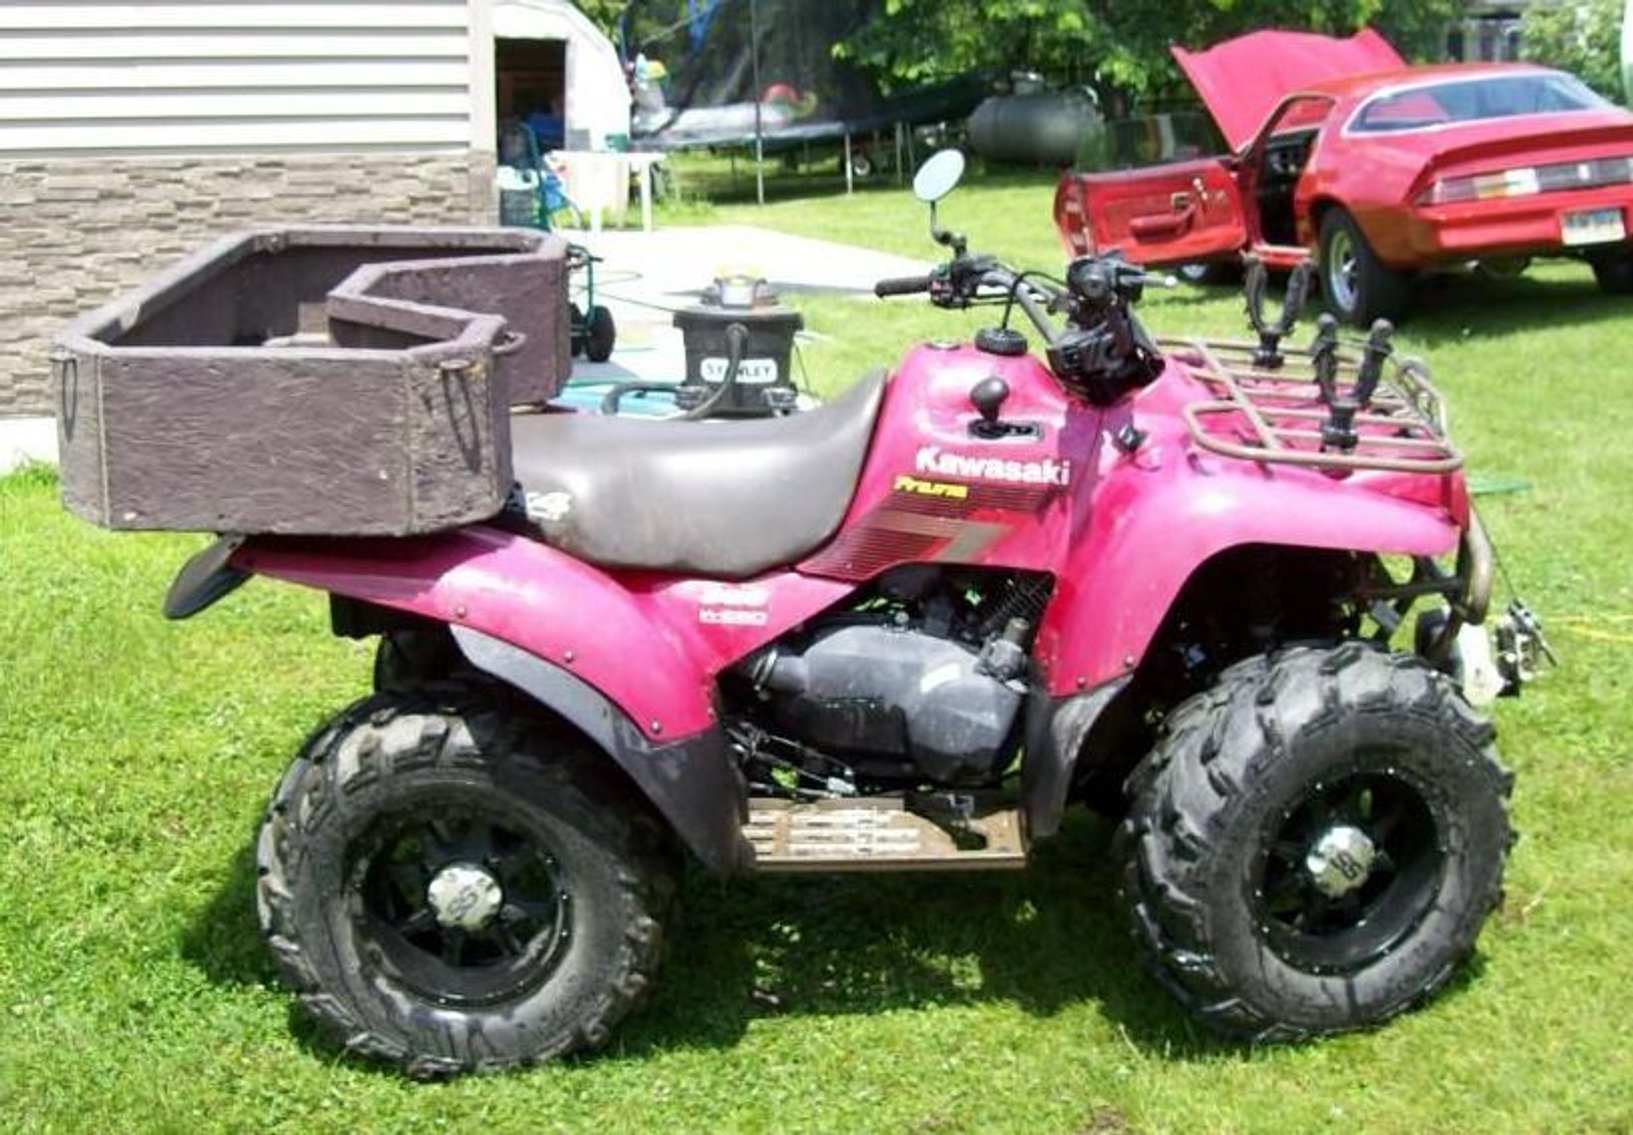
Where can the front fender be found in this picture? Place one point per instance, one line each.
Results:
(1151, 527)
(520, 592)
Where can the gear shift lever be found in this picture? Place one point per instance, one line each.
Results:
(987, 396)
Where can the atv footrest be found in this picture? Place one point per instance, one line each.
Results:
(864, 835)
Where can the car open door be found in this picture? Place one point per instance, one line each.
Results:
(1174, 213)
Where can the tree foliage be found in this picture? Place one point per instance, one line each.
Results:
(604, 14)
(1118, 46)
(1583, 38)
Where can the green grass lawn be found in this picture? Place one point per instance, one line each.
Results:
(136, 755)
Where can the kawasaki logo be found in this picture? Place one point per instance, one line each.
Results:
(931, 459)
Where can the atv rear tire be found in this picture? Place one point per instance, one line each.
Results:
(1358, 287)
(1315, 843)
(453, 885)
(411, 657)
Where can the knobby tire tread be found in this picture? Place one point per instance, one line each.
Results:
(1221, 739)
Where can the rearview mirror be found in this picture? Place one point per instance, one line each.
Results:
(938, 176)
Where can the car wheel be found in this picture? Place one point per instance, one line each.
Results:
(1614, 272)
(1210, 273)
(451, 885)
(1502, 267)
(1315, 843)
(1358, 287)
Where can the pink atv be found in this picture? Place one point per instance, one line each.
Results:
(904, 631)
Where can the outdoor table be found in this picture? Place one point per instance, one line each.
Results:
(599, 179)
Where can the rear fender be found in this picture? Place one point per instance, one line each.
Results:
(1150, 529)
(574, 639)
(692, 782)
(519, 591)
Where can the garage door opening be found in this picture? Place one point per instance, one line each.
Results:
(530, 77)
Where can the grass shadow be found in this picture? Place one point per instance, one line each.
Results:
(222, 940)
(1044, 939)
(1448, 309)
(768, 946)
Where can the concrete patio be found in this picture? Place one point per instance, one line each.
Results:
(646, 277)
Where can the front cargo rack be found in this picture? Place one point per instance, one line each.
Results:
(1282, 415)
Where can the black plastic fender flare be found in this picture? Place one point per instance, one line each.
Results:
(1056, 731)
(206, 578)
(691, 782)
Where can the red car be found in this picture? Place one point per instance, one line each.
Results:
(1379, 169)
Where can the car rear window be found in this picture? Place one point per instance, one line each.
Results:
(1473, 100)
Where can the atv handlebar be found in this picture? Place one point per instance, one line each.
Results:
(1102, 351)
(902, 286)
(1092, 285)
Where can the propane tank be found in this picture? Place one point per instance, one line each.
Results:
(1034, 129)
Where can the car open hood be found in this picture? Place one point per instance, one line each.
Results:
(1242, 79)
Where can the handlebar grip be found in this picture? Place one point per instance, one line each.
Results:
(902, 286)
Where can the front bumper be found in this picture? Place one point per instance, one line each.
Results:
(1487, 661)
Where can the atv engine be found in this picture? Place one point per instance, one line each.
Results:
(921, 684)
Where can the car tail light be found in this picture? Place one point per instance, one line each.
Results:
(1527, 180)
(1074, 211)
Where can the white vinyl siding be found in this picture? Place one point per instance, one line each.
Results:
(247, 76)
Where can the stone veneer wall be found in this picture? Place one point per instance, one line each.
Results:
(74, 232)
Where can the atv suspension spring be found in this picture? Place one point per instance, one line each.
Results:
(1024, 598)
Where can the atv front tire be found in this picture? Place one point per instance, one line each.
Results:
(452, 884)
(1315, 843)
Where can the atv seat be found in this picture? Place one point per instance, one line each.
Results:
(724, 499)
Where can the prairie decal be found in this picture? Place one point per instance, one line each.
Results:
(907, 484)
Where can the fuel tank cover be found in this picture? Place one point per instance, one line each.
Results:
(1005, 341)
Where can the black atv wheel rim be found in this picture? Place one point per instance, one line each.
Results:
(402, 932)
(1369, 904)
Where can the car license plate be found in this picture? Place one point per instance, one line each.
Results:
(1593, 226)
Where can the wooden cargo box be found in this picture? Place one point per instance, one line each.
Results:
(337, 381)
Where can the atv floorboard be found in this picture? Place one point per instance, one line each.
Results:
(868, 835)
